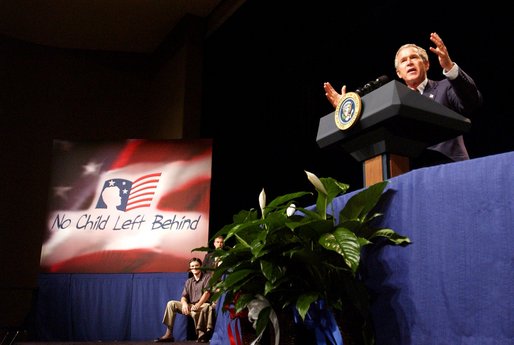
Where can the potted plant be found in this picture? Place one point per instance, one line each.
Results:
(304, 260)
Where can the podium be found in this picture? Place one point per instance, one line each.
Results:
(396, 124)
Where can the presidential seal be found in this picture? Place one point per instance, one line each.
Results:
(348, 110)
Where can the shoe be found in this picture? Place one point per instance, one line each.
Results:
(164, 340)
(202, 340)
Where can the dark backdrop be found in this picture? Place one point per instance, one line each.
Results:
(264, 71)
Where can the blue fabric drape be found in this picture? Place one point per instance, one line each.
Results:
(151, 292)
(53, 311)
(223, 323)
(322, 322)
(453, 285)
(96, 314)
(107, 307)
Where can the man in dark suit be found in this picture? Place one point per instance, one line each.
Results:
(209, 260)
(457, 92)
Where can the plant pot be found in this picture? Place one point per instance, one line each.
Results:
(349, 323)
(355, 330)
(291, 333)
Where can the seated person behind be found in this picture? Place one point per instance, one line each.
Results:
(209, 260)
(194, 303)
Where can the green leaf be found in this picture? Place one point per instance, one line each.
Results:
(257, 246)
(271, 271)
(285, 199)
(392, 236)
(309, 214)
(237, 276)
(268, 287)
(304, 302)
(333, 187)
(244, 216)
(360, 204)
(263, 320)
(344, 242)
(243, 300)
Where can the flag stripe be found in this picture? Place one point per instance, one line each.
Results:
(138, 191)
(141, 187)
(148, 176)
(139, 206)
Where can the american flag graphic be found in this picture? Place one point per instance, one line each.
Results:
(130, 195)
(127, 206)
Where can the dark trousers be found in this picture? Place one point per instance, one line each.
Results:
(429, 158)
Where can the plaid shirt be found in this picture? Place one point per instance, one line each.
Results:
(194, 289)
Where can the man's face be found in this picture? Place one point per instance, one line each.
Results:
(347, 109)
(194, 266)
(411, 67)
(218, 243)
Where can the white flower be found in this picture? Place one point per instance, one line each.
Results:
(316, 182)
(262, 201)
(291, 210)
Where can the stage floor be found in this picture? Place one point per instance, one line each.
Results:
(22, 338)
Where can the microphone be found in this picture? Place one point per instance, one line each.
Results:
(372, 85)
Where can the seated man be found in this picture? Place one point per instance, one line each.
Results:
(194, 302)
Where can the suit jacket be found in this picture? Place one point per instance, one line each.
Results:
(462, 96)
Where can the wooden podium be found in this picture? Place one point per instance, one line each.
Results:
(396, 124)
